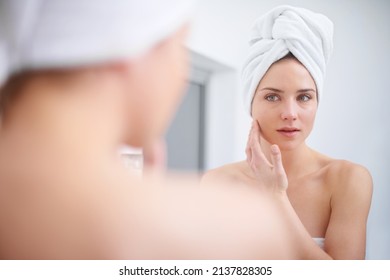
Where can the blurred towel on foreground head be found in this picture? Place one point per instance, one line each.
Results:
(39, 34)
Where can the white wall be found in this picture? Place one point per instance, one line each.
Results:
(353, 119)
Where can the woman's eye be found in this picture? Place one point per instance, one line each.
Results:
(272, 98)
(304, 97)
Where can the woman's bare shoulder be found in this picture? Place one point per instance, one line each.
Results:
(229, 168)
(344, 170)
(229, 172)
(340, 168)
(343, 175)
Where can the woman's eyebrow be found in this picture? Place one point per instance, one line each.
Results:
(281, 91)
(271, 89)
(306, 90)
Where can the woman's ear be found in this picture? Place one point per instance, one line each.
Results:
(128, 74)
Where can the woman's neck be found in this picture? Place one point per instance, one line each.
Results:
(76, 121)
(298, 162)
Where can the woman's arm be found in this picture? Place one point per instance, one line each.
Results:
(350, 202)
(273, 180)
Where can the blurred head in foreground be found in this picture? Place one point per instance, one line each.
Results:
(131, 49)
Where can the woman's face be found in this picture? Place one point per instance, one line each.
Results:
(285, 104)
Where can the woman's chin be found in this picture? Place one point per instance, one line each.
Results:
(287, 146)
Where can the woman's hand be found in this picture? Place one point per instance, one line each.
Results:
(270, 176)
(154, 156)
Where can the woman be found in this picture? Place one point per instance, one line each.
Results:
(283, 79)
(78, 79)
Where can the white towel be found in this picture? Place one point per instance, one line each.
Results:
(37, 34)
(307, 35)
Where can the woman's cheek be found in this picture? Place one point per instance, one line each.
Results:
(262, 120)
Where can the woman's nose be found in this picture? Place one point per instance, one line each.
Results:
(289, 111)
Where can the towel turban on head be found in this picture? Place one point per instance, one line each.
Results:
(307, 35)
(39, 34)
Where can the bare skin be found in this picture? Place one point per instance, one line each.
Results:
(325, 197)
(64, 193)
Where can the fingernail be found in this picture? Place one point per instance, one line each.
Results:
(274, 149)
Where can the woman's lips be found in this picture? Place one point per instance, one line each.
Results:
(289, 132)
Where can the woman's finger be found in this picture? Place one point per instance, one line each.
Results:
(248, 149)
(248, 152)
(258, 157)
(276, 158)
(257, 152)
(256, 130)
(154, 155)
